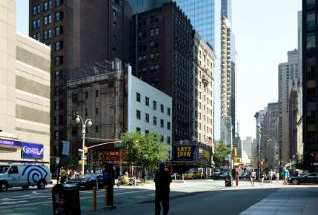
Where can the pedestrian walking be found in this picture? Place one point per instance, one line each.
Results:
(286, 175)
(277, 177)
(237, 176)
(162, 182)
(253, 176)
(63, 175)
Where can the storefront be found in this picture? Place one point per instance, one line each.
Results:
(20, 151)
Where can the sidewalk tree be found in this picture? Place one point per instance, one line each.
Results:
(144, 150)
(221, 152)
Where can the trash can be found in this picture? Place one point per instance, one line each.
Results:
(66, 200)
(228, 181)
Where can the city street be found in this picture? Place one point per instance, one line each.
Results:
(198, 197)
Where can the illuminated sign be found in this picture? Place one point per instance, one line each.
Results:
(184, 153)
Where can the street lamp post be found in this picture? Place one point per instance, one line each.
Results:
(87, 123)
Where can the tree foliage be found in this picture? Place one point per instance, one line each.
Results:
(144, 150)
(221, 152)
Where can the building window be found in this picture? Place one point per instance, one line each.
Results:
(162, 123)
(58, 45)
(58, 2)
(147, 101)
(96, 111)
(86, 112)
(138, 114)
(162, 108)
(50, 4)
(50, 33)
(45, 35)
(58, 16)
(138, 97)
(154, 105)
(311, 41)
(154, 120)
(169, 111)
(311, 20)
(50, 19)
(58, 60)
(46, 6)
(147, 131)
(138, 129)
(96, 93)
(168, 125)
(86, 95)
(96, 129)
(162, 139)
(169, 140)
(34, 10)
(147, 117)
(58, 30)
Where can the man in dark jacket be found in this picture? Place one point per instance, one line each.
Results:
(162, 181)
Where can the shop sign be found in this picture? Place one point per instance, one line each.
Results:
(184, 153)
(9, 143)
(33, 151)
(112, 156)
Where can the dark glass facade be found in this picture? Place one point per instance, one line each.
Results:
(202, 16)
(139, 6)
(310, 79)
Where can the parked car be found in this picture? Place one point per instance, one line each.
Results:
(24, 175)
(309, 178)
(245, 176)
(221, 175)
(87, 182)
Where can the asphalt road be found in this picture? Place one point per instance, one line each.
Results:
(193, 198)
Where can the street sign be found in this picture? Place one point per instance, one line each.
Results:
(66, 148)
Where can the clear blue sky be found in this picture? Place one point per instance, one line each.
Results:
(265, 30)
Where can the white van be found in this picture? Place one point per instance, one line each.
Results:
(24, 175)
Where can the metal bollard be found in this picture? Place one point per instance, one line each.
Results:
(94, 200)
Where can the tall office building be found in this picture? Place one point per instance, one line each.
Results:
(227, 76)
(139, 6)
(310, 79)
(202, 16)
(163, 57)
(79, 33)
(203, 84)
(259, 116)
(289, 82)
(271, 136)
(24, 93)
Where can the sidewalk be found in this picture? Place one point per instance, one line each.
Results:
(287, 202)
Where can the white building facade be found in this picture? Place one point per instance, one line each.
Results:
(149, 109)
(24, 93)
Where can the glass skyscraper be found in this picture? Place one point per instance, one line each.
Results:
(200, 12)
(140, 6)
(202, 16)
